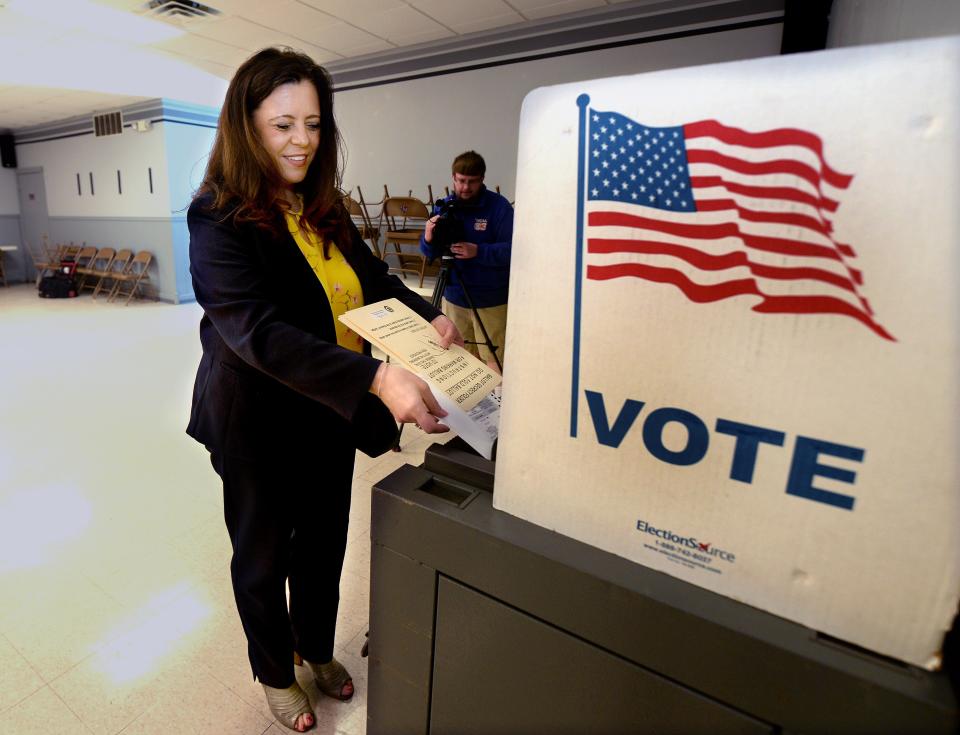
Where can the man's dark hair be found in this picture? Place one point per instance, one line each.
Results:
(469, 163)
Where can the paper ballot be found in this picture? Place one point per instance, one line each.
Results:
(461, 383)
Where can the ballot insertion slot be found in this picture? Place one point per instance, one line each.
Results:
(448, 490)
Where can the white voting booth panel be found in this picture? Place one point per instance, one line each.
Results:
(734, 349)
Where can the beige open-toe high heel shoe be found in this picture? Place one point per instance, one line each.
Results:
(291, 707)
(332, 678)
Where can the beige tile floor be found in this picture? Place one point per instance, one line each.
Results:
(116, 613)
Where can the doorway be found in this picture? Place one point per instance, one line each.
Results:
(34, 219)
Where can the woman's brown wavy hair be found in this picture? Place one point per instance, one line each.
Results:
(243, 178)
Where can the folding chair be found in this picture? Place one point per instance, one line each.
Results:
(60, 251)
(50, 252)
(39, 262)
(367, 230)
(386, 192)
(116, 268)
(128, 282)
(404, 219)
(88, 276)
(373, 211)
(69, 252)
(84, 255)
(43, 261)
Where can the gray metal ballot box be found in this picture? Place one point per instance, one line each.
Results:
(483, 623)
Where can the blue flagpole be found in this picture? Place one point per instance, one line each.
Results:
(582, 101)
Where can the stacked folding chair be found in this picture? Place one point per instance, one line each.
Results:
(404, 219)
(89, 275)
(131, 280)
(366, 228)
(45, 259)
(116, 268)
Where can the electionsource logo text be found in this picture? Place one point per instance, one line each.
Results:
(689, 542)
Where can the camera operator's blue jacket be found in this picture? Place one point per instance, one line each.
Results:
(488, 222)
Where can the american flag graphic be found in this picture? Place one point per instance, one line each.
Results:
(719, 212)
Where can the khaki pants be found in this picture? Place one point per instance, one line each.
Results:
(494, 321)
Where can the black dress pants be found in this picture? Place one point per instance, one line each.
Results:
(287, 519)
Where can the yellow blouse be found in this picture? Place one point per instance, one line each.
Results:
(335, 275)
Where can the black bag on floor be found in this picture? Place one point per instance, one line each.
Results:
(58, 286)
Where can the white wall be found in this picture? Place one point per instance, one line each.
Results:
(173, 153)
(857, 22)
(188, 148)
(406, 134)
(132, 153)
(9, 199)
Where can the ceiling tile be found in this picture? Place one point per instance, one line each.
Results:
(27, 96)
(236, 32)
(485, 24)
(346, 39)
(466, 16)
(289, 16)
(422, 36)
(237, 7)
(220, 70)
(132, 5)
(357, 12)
(400, 22)
(278, 39)
(99, 102)
(319, 55)
(537, 9)
(9, 100)
(397, 25)
(194, 46)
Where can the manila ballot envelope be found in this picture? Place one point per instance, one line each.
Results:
(461, 383)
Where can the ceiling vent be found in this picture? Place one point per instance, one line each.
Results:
(180, 10)
(109, 123)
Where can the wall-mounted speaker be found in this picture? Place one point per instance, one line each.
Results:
(8, 154)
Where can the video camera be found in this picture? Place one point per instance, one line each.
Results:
(449, 227)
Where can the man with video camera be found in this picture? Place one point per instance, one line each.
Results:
(473, 227)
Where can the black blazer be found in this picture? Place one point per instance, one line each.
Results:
(272, 376)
